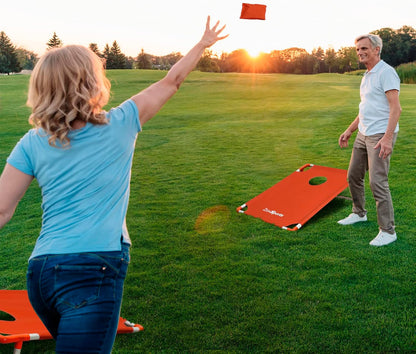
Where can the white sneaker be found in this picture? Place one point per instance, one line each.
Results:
(383, 238)
(352, 219)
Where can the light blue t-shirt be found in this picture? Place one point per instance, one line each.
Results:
(374, 107)
(85, 188)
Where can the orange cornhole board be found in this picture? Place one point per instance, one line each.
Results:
(291, 202)
(27, 326)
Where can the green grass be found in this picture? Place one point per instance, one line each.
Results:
(205, 278)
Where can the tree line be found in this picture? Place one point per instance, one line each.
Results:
(399, 46)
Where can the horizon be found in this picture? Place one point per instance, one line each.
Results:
(165, 27)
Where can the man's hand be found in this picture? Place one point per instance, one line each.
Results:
(343, 139)
(386, 147)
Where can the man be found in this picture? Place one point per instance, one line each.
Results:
(377, 124)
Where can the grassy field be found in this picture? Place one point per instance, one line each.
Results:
(204, 278)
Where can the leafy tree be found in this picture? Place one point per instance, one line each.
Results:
(172, 58)
(27, 59)
(277, 61)
(263, 63)
(289, 59)
(399, 46)
(54, 42)
(347, 59)
(238, 61)
(389, 50)
(319, 54)
(207, 63)
(407, 44)
(129, 62)
(305, 64)
(167, 61)
(222, 61)
(9, 62)
(330, 59)
(143, 61)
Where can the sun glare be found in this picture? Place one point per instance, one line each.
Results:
(253, 53)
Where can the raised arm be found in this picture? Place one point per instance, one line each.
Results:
(151, 100)
(13, 185)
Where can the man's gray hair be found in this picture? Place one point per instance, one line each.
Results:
(375, 40)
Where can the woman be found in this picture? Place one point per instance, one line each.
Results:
(81, 157)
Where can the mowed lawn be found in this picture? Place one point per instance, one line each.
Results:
(204, 278)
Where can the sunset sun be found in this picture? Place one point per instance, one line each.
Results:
(254, 53)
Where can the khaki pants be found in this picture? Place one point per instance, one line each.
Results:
(365, 158)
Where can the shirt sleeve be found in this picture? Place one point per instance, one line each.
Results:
(127, 114)
(19, 157)
(390, 80)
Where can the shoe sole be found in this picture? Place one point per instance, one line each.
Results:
(384, 244)
(351, 223)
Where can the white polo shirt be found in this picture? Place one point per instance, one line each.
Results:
(374, 107)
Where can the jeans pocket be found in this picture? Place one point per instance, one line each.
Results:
(125, 253)
(78, 285)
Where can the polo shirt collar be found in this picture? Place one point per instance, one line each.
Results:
(376, 67)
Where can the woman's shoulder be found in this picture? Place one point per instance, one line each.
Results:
(34, 133)
(128, 107)
(126, 114)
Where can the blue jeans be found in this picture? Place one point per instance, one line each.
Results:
(78, 297)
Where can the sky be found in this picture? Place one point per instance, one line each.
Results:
(161, 27)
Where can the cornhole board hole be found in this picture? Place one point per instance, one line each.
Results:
(25, 324)
(291, 202)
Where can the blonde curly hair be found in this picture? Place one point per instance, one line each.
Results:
(67, 84)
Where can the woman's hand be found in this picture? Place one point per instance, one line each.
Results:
(212, 35)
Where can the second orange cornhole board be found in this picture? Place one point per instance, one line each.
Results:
(291, 202)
